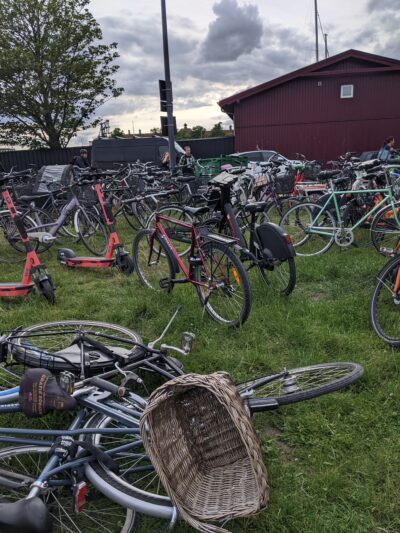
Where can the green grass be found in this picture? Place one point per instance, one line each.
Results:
(333, 462)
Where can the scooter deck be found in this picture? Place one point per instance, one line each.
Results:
(89, 262)
(15, 289)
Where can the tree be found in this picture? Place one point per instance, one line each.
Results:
(184, 133)
(54, 71)
(198, 132)
(117, 132)
(155, 131)
(217, 130)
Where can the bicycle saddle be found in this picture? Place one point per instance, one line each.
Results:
(196, 210)
(39, 393)
(185, 179)
(33, 196)
(369, 164)
(328, 174)
(25, 516)
(255, 207)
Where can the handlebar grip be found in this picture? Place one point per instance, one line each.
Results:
(117, 390)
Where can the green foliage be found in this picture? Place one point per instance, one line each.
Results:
(155, 131)
(117, 132)
(198, 132)
(184, 133)
(54, 71)
(217, 130)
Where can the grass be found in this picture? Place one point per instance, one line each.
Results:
(333, 462)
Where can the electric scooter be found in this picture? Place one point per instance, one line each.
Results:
(35, 273)
(115, 255)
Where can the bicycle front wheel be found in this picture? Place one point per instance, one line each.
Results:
(299, 384)
(385, 229)
(309, 237)
(91, 231)
(21, 465)
(51, 345)
(223, 285)
(385, 303)
(152, 260)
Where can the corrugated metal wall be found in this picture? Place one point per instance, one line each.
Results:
(307, 115)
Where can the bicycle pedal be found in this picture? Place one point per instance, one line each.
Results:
(165, 283)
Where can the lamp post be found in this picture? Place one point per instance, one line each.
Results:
(168, 86)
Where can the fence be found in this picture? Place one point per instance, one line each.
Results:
(21, 159)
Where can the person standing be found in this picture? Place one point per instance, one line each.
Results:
(187, 161)
(81, 160)
(387, 151)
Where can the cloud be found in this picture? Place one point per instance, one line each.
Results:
(235, 31)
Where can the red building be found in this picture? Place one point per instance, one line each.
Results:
(348, 102)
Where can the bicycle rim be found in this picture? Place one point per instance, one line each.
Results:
(281, 277)
(152, 260)
(99, 515)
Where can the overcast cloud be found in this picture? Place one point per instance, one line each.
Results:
(219, 47)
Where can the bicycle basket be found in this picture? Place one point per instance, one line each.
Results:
(204, 448)
(285, 184)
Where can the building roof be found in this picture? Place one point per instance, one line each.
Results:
(373, 63)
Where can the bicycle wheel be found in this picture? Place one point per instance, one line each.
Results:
(224, 288)
(43, 220)
(136, 214)
(385, 231)
(137, 483)
(180, 236)
(297, 222)
(23, 464)
(275, 211)
(384, 307)
(12, 249)
(51, 345)
(281, 277)
(92, 232)
(152, 260)
(298, 384)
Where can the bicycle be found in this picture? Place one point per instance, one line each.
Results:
(44, 463)
(314, 228)
(216, 272)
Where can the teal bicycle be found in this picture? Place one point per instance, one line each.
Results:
(315, 227)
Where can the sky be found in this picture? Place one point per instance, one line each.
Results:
(220, 47)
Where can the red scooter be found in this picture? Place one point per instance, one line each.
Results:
(115, 253)
(35, 273)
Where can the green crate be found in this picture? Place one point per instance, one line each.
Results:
(207, 169)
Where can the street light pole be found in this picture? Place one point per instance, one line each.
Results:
(168, 86)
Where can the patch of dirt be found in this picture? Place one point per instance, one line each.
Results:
(274, 433)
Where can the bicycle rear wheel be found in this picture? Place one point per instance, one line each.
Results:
(180, 236)
(385, 230)
(385, 304)
(23, 464)
(224, 288)
(152, 260)
(297, 222)
(281, 277)
(12, 249)
(298, 384)
(51, 345)
(91, 231)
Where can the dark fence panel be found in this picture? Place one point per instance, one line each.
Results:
(20, 159)
(211, 147)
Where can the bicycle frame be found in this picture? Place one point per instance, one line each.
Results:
(387, 199)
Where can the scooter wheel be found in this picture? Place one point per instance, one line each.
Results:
(46, 289)
(125, 264)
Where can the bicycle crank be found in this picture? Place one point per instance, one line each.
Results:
(344, 237)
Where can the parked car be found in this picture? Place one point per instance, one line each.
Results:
(265, 156)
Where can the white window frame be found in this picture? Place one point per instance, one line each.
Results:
(343, 88)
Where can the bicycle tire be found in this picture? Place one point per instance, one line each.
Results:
(224, 274)
(181, 237)
(63, 521)
(275, 211)
(347, 373)
(91, 231)
(385, 318)
(136, 214)
(282, 278)
(149, 271)
(12, 249)
(385, 232)
(296, 221)
(33, 348)
(137, 488)
(43, 220)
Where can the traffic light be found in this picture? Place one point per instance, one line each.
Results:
(163, 95)
(164, 126)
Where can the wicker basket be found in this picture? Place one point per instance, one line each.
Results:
(204, 448)
(285, 184)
